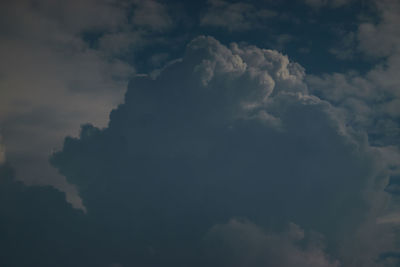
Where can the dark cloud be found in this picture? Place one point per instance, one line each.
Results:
(222, 133)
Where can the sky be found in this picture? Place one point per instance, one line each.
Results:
(200, 133)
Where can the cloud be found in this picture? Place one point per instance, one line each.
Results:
(55, 232)
(242, 243)
(227, 132)
(375, 37)
(369, 101)
(239, 16)
(381, 38)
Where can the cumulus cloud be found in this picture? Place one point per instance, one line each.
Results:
(376, 36)
(227, 132)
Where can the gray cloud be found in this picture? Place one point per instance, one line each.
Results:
(381, 39)
(229, 132)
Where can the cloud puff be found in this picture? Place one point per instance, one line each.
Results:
(225, 132)
(383, 28)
